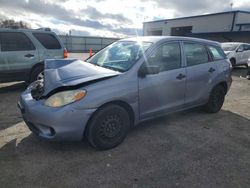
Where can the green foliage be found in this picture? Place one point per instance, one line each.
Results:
(14, 25)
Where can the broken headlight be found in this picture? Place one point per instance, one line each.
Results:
(65, 97)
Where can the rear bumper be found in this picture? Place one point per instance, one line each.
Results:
(65, 123)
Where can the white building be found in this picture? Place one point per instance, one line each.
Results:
(224, 26)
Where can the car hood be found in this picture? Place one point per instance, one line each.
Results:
(71, 72)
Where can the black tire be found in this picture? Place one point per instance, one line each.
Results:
(216, 99)
(108, 127)
(247, 65)
(35, 72)
(233, 62)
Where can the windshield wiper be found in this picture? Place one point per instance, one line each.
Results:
(112, 68)
(107, 67)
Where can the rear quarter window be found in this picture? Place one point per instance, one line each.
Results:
(217, 53)
(15, 41)
(49, 41)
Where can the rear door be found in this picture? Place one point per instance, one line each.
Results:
(201, 71)
(18, 52)
(51, 46)
(165, 91)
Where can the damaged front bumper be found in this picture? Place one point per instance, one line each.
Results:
(64, 123)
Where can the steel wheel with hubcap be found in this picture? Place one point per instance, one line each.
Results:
(40, 76)
(108, 127)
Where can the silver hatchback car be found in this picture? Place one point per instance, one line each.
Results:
(128, 82)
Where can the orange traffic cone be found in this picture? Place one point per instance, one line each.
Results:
(90, 52)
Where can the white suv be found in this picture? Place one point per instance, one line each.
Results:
(237, 53)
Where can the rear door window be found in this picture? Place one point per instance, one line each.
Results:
(48, 40)
(217, 53)
(195, 54)
(14, 41)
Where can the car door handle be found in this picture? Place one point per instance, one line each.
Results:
(211, 70)
(180, 76)
(29, 55)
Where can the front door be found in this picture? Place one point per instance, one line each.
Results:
(165, 91)
(18, 50)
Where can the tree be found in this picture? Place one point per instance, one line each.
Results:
(14, 25)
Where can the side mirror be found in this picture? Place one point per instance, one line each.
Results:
(240, 50)
(145, 70)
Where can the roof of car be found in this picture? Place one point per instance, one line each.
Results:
(26, 30)
(233, 43)
(155, 39)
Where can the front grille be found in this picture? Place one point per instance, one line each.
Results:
(41, 130)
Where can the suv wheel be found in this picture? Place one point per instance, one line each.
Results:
(108, 128)
(216, 99)
(37, 74)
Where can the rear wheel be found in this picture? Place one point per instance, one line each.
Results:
(37, 74)
(216, 99)
(108, 128)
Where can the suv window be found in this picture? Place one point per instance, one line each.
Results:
(167, 57)
(217, 53)
(14, 41)
(195, 54)
(49, 41)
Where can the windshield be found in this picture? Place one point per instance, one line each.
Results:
(120, 56)
(229, 46)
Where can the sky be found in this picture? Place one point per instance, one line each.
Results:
(108, 18)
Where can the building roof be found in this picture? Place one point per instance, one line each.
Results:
(204, 15)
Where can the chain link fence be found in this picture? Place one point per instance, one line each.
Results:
(83, 44)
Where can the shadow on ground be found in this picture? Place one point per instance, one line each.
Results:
(9, 95)
(240, 71)
(187, 149)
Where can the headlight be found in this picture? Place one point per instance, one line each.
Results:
(65, 97)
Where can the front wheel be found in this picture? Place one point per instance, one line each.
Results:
(216, 99)
(37, 74)
(108, 128)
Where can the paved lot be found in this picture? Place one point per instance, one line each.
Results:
(187, 149)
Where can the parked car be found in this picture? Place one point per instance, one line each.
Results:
(23, 51)
(128, 82)
(238, 53)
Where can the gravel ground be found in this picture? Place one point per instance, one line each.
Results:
(187, 149)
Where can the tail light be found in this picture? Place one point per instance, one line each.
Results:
(65, 53)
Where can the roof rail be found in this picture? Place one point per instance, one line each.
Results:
(44, 28)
